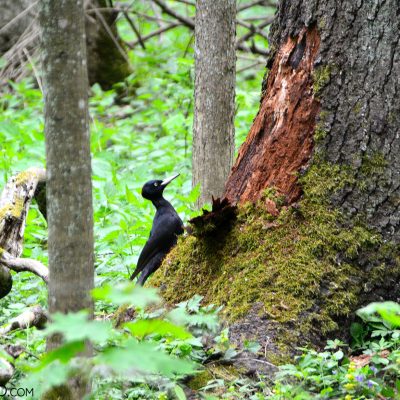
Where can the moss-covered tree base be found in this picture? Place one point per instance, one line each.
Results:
(289, 279)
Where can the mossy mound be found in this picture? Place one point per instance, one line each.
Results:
(308, 268)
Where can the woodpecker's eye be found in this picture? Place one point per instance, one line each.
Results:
(155, 184)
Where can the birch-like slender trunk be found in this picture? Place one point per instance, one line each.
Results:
(213, 129)
(69, 188)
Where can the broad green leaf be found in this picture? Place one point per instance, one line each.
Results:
(180, 394)
(76, 326)
(128, 294)
(145, 327)
(143, 358)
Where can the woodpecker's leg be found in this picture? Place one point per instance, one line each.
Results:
(151, 267)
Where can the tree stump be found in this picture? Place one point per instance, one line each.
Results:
(317, 185)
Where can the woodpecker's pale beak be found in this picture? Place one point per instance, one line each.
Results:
(165, 182)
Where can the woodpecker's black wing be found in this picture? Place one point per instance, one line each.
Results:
(166, 227)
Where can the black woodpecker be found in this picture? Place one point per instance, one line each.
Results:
(164, 233)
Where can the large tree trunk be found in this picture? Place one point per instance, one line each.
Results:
(213, 129)
(339, 62)
(321, 167)
(69, 189)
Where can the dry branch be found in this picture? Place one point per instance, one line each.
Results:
(253, 30)
(189, 22)
(167, 10)
(25, 265)
(34, 316)
(8, 354)
(135, 30)
(152, 34)
(14, 205)
(6, 370)
(256, 3)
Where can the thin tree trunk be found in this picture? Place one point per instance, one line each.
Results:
(69, 188)
(213, 129)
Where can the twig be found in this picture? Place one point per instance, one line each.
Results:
(150, 17)
(257, 360)
(249, 66)
(185, 21)
(35, 71)
(250, 58)
(190, 24)
(16, 18)
(252, 4)
(131, 45)
(136, 30)
(253, 49)
(250, 19)
(189, 3)
(106, 9)
(117, 44)
(253, 30)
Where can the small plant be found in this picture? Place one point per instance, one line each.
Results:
(143, 359)
(373, 373)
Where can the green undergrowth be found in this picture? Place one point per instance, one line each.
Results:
(302, 265)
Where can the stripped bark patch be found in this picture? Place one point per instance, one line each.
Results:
(280, 142)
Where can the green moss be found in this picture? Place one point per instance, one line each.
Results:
(357, 107)
(319, 133)
(321, 77)
(321, 23)
(228, 373)
(58, 393)
(200, 380)
(302, 265)
(373, 164)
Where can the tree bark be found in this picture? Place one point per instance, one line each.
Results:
(69, 188)
(345, 60)
(213, 129)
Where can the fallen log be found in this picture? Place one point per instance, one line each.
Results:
(34, 316)
(7, 356)
(6, 368)
(14, 205)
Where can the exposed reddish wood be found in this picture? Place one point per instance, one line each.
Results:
(280, 141)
